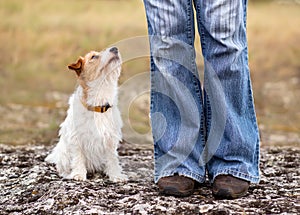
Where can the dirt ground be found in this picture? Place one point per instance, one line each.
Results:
(28, 185)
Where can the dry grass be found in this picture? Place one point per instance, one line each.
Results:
(274, 52)
(42, 37)
(39, 38)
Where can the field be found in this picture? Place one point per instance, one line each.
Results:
(39, 38)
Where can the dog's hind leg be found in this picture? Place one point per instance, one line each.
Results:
(60, 158)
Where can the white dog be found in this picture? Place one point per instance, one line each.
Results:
(91, 132)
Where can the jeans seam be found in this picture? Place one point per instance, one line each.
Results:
(196, 79)
(200, 29)
(205, 105)
(193, 57)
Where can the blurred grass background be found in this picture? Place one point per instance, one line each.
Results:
(39, 38)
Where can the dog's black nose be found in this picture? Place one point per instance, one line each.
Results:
(114, 50)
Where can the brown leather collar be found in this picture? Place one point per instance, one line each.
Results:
(99, 109)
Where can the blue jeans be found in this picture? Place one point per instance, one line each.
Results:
(211, 129)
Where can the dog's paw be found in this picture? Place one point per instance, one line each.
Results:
(78, 177)
(118, 178)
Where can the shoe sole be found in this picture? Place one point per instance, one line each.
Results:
(226, 194)
(171, 191)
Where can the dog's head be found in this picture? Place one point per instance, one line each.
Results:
(105, 65)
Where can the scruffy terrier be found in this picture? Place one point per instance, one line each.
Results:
(91, 132)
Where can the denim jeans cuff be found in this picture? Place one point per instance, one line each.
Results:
(235, 173)
(188, 174)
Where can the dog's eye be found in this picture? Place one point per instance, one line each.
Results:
(94, 57)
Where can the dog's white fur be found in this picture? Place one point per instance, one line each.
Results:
(89, 140)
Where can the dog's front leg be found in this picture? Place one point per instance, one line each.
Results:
(78, 167)
(113, 168)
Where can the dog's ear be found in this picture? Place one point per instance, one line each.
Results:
(78, 66)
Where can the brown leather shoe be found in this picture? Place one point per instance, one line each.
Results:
(176, 186)
(229, 187)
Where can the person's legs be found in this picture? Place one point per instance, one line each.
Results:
(176, 98)
(232, 146)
